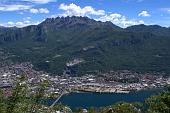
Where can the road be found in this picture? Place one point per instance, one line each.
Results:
(64, 92)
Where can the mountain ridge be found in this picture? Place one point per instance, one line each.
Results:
(101, 46)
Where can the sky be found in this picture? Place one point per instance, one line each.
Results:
(123, 13)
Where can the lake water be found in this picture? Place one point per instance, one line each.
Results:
(87, 99)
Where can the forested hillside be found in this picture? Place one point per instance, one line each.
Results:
(86, 45)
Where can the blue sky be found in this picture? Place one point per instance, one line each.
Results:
(123, 13)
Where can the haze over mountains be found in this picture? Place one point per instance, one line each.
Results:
(86, 45)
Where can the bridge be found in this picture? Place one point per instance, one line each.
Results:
(64, 92)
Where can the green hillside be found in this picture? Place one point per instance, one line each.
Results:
(101, 46)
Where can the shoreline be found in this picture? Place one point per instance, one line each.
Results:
(108, 98)
(119, 92)
(116, 91)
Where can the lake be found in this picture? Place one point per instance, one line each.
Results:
(87, 99)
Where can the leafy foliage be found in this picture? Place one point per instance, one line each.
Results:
(160, 103)
(23, 101)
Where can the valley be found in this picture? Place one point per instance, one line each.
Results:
(100, 46)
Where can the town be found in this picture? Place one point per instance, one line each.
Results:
(122, 81)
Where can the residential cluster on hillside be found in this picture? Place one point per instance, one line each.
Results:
(74, 62)
(112, 82)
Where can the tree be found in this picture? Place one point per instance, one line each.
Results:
(159, 103)
(23, 100)
(123, 107)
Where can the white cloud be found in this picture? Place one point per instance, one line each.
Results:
(115, 18)
(119, 20)
(19, 24)
(33, 10)
(14, 7)
(10, 23)
(25, 22)
(27, 18)
(167, 10)
(40, 1)
(74, 10)
(41, 10)
(144, 14)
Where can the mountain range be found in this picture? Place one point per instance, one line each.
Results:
(84, 45)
